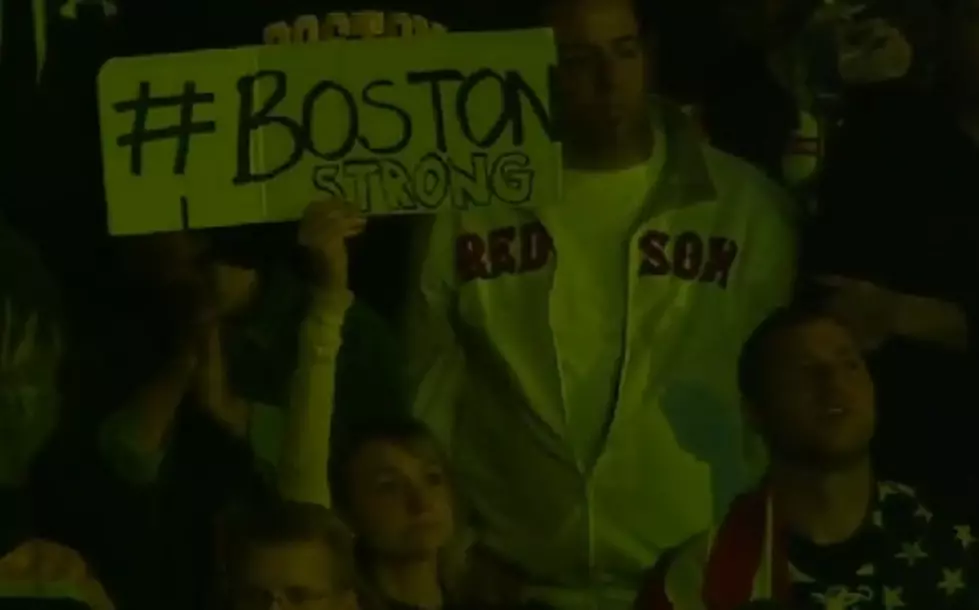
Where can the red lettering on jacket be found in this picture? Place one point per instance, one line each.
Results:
(501, 259)
(470, 251)
(479, 257)
(653, 247)
(688, 257)
(536, 246)
(721, 253)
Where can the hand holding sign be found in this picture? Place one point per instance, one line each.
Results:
(323, 231)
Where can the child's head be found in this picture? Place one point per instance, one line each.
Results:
(390, 482)
(297, 555)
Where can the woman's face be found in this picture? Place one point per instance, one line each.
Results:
(401, 503)
(292, 576)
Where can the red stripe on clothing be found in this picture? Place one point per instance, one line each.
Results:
(736, 553)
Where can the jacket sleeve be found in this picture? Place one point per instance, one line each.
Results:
(434, 360)
(301, 473)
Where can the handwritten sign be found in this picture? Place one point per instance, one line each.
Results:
(251, 135)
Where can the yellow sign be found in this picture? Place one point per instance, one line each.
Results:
(251, 135)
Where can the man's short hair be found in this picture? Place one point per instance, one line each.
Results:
(753, 361)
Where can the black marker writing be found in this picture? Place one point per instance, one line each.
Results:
(435, 78)
(354, 124)
(140, 135)
(384, 185)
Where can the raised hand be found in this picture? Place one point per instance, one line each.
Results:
(323, 231)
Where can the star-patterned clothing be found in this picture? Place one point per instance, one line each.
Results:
(905, 556)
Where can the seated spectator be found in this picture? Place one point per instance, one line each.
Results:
(390, 482)
(288, 555)
(823, 531)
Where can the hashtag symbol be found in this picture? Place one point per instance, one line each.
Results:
(140, 135)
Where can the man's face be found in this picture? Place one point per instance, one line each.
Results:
(400, 499)
(602, 71)
(819, 397)
(292, 576)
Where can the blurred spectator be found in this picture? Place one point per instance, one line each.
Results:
(783, 81)
(37, 453)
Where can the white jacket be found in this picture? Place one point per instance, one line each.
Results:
(485, 375)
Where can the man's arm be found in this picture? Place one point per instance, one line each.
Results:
(933, 321)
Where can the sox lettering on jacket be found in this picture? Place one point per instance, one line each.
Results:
(526, 248)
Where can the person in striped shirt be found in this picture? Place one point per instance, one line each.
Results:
(821, 531)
